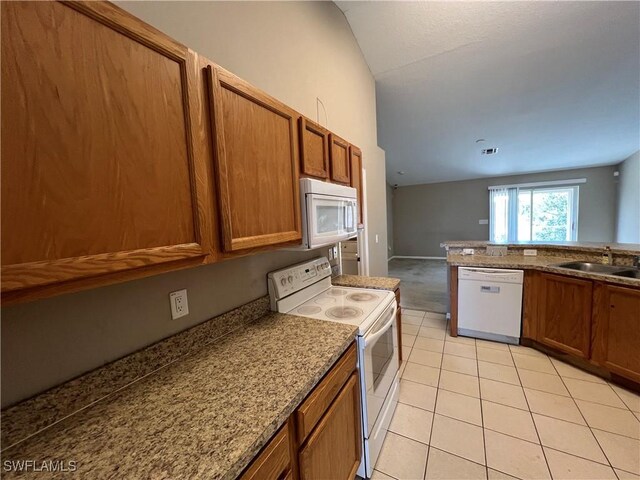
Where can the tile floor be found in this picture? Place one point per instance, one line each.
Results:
(472, 409)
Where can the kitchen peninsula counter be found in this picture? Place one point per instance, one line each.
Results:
(542, 263)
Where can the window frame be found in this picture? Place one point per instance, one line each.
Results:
(513, 207)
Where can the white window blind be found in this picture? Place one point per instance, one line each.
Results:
(543, 211)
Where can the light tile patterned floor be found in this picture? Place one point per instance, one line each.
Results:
(472, 409)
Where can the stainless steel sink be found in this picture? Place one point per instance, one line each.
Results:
(593, 267)
(631, 273)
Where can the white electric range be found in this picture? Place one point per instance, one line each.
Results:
(305, 289)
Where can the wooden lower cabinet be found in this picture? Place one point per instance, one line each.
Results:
(596, 323)
(333, 450)
(616, 329)
(564, 313)
(274, 461)
(322, 438)
(453, 300)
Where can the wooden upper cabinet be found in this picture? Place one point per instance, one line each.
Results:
(616, 329)
(355, 164)
(99, 166)
(564, 314)
(257, 164)
(314, 149)
(339, 156)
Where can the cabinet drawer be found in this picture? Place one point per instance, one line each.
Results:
(317, 403)
(274, 462)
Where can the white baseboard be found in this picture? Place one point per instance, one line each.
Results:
(417, 258)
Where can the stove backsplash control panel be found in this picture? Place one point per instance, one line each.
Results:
(292, 279)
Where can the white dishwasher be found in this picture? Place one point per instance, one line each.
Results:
(490, 303)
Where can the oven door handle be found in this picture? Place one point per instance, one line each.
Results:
(369, 339)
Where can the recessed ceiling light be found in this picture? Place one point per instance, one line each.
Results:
(400, 172)
(489, 151)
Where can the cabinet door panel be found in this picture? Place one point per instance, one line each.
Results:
(616, 326)
(340, 169)
(334, 448)
(98, 170)
(257, 164)
(355, 161)
(314, 149)
(531, 297)
(565, 314)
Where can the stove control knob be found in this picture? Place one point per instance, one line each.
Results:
(283, 281)
(290, 279)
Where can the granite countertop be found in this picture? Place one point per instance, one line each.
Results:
(206, 415)
(360, 281)
(542, 263)
(622, 248)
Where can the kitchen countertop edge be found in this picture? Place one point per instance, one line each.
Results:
(362, 281)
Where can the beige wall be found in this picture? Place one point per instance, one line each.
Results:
(426, 215)
(628, 201)
(389, 221)
(295, 51)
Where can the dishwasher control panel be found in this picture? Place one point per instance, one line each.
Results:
(494, 275)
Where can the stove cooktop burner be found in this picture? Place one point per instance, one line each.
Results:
(337, 292)
(362, 297)
(309, 310)
(341, 313)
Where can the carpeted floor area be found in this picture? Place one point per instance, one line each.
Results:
(424, 283)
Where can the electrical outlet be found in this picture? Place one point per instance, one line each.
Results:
(377, 239)
(179, 304)
(467, 251)
(335, 251)
(330, 253)
(530, 252)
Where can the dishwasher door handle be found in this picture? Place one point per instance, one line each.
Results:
(489, 289)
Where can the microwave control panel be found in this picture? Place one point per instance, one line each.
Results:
(290, 280)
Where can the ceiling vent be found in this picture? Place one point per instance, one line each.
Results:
(489, 151)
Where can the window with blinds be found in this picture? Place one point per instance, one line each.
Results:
(539, 212)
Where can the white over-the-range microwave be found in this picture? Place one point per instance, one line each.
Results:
(329, 213)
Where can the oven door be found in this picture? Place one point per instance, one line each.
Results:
(381, 363)
(330, 219)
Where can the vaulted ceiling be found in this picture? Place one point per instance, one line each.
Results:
(552, 85)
